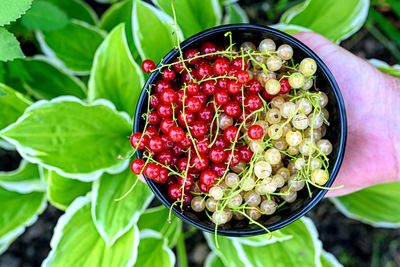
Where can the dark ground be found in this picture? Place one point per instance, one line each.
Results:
(353, 243)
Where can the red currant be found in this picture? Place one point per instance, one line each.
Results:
(185, 143)
(242, 76)
(239, 63)
(219, 169)
(175, 191)
(137, 166)
(234, 87)
(168, 96)
(255, 132)
(162, 177)
(167, 144)
(188, 76)
(165, 110)
(253, 102)
(209, 48)
(192, 88)
(168, 75)
(190, 54)
(155, 100)
(254, 86)
(166, 124)
(221, 66)
(177, 149)
(233, 157)
(152, 170)
(208, 87)
(232, 109)
(188, 118)
(153, 118)
(176, 134)
(204, 188)
(220, 142)
(205, 114)
(150, 132)
(231, 134)
(187, 198)
(138, 140)
(199, 163)
(208, 177)
(161, 85)
(182, 164)
(178, 66)
(204, 71)
(221, 97)
(245, 153)
(222, 83)
(217, 154)
(193, 104)
(148, 65)
(202, 145)
(202, 97)
(285, 86)
(199, 129)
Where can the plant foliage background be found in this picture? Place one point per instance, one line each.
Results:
(68, 73)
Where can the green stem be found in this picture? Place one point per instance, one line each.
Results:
(181, 249)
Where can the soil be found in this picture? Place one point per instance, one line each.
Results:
(353, 243)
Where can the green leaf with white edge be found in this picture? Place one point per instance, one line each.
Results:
(75, 139)
(377, 205)
(106, 208)
(44, 16)
(11, 10)
(213, 260)
(62, 191)
(76, 241)
(43, 80)
(18, 211)
(25, 179)
(116, 14)
(157, 219)
(12, 104)
(115, 75)
(335, 19)
(193, 16)
(153, 31)
(328, 260)
(153, 251)
(289, 28)
(76, 9)
(9, 46)
(386, 68)
(73, 46)
(302, 249)
(235, 14)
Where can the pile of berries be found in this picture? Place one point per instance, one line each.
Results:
(234, 132)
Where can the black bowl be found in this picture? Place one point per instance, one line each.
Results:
(336, 132)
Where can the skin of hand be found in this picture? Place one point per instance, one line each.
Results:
(372, 101)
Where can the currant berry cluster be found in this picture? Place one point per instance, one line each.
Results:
(234, 132)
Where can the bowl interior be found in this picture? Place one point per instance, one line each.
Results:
(336, 132)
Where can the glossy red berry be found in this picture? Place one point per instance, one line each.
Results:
(153, 118)
(137, 166)
(253, 102)
(162, 177)
(167, 144)
(148, 65)
(165, 110)
(239, 63)
(168, 96)
(155, 100)
(176, 134)
(244, 116)
(150, 132)
(232, 109)
(156, 144)
(182, 164)
(217, 154)
(245, 153)
(166, 124)
(219, 169)
(208, 87)
(190, 54)
(202, 97)
(175, 191)
(177, 149)
(138, 140)
(208, 177)
(205, 114)
(187, 119)
(221, 97)
(185, 143)
(255, 132)
(199, 163)
(204, 71)
(231, 134)
(253, 86)
(202, 145)
(192, 88)
(232, 71)
(242, 76)
(267, 96)
(234, 87)
(199, 129)
(221, 66)
(193, 104)
(285, 86)
(161, 85)
(204, 188)
(187, 198)
(178, 66)
(220, 142)
(152, 170)
(233, 157)
(188, 76)
(222, 83)
(168, 75)
(208, 48)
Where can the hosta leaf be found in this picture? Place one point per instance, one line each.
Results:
(193, 16)
(9, 46)
(235, 14)
(75, 139)
(303, 249)
(328, 260)
(44, 16)
(115, 75)
(153, 31)
(157, 219)
(384, 67)
(76, 241)
(116, 14)
(25, 179)
(153, 251)
(335, 19)
(11, 10)
(76, 9)
(74, 45)
(290, 29)
(213, 260)
(377, 205)
(62, 191)
(12, 104)
(44, 80)
(17, 212)
(106, 208)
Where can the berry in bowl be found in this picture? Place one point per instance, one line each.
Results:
(239, 131)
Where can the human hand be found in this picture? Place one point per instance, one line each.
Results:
(371, 98)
